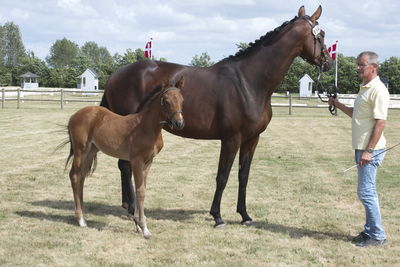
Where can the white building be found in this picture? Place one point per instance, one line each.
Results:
(88, 81)
(306, 86)
(29, 80)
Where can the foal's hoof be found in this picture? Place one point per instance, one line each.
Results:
(247, 223)
(147, 235)
(82, 222)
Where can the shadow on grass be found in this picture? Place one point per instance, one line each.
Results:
(298, 233)
(58, 218)
(100, 209)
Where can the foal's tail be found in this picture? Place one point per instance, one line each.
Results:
(92, 164)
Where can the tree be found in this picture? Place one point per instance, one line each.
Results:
(297, 70)
(129, 57)
(62, 53)
(96, 55)
(202, 61)
(12, 49)
(390, 69)
(242, 46)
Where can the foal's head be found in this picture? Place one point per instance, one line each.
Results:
(172, 101)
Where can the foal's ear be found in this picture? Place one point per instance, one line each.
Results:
(180, 83)
(165, 84)
(316, 14)
(302, 12)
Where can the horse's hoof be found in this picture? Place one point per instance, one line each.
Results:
(125, 205)
(221, 224)
(247, 223)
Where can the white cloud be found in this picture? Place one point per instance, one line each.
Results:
(77, 7)
(19, 14)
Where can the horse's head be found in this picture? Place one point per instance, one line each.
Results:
(172, 101)
(314, 49)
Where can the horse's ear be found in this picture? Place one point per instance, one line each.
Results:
(316, 14)
(180, 83)
(302, 12)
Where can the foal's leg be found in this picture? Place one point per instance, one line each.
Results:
(138, 169)
(75, 176)
(246, 156)
(229, 149)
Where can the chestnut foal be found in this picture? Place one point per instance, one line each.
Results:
(136, 138)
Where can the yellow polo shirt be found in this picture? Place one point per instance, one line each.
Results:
(372, 103)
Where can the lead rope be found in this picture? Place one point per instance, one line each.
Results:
(332, 108)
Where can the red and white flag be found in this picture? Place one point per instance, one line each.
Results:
(147, 49)
(332, 51)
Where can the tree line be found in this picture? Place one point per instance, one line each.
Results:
(66, 61)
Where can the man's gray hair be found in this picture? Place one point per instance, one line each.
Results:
(372, 57)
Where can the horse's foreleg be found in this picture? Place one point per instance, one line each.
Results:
(138, 169)
(128, 194)
(246, 156)
(229, 149)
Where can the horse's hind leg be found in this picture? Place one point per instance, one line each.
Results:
(75, 176)
(86, 165)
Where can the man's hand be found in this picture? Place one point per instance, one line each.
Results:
(332, 101)
(365, 158)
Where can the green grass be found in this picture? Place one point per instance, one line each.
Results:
(304, 212)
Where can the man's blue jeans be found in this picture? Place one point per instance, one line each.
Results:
(368, 196)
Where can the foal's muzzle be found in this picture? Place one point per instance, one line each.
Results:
(175, 121)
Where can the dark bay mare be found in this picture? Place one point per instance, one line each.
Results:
(135, 137)
(230, 101)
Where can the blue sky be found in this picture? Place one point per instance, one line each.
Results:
(182, 29)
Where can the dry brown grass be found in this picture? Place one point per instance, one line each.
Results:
(304, 212)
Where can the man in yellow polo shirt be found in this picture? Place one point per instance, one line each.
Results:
(368, 121)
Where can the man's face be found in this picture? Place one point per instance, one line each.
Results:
(365, 70)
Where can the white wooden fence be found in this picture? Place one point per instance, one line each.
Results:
(18, 95)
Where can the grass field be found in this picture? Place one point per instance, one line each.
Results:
(304, 212)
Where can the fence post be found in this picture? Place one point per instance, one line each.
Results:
(3, 97)
(62, 98)
(18, 97)
(290, 104)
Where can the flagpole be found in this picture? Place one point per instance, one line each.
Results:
(152, 48)
(336, 63)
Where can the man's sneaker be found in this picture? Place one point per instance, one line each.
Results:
(361, 237)
(371, 242)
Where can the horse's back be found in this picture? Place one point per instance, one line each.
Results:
(128, 86)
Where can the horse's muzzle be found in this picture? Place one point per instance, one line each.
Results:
(327, 65)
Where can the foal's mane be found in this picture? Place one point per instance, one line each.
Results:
(264, 40)
(149, 97)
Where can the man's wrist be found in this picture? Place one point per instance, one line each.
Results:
(369, 150)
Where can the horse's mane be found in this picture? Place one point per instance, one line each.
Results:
(149, 98)
(265, 40)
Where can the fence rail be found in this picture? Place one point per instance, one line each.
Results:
(59, 96)
(56, 95)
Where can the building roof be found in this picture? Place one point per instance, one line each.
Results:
(92, 71)
(29, 75)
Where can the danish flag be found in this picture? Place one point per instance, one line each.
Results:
(332, 51)
(147, 49)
